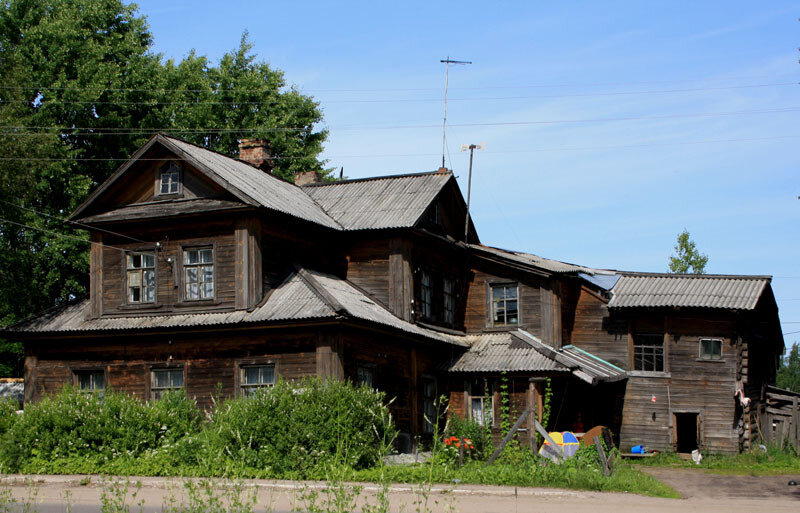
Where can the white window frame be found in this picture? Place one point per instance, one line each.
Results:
(505, 300)
(92, 388)
(709, 356)
(199, 266)
(135, 277)
(173, 173)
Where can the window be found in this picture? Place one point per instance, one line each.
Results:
(448, 288)
(504, 305)
(648, 353)
(429, 409)
(255, 377)
(198, 273)
(425, 295)
(365, 376)
(90, 381)
(141, 270)
(710, 349)
(163, 380)
(170, 179)
(481, 403)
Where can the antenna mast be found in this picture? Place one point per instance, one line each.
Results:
(447, 62)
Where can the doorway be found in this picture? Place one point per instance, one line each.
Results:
(687, 432)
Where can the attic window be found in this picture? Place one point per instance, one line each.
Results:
(170, 180)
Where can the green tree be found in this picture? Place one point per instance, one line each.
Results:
(80, 90)
(687, 259)
(789, 371)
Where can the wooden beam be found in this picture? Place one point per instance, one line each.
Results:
(542, 431)
(602, 454)
(510, 435)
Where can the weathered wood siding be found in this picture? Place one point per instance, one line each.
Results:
(597, 332)
(478, 314)
(169, 282)
(368, 267)
(210, 363)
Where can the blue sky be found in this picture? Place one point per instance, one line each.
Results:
(609, 126)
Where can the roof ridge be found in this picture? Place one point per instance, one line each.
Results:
(375, 178)
(645, 274)
(320, 291)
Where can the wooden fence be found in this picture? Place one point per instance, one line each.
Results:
(779, 416)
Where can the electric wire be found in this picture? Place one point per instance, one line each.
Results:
(57, 234)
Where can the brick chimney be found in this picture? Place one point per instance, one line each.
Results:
(442, 170)
(256, 152)
(307, 177)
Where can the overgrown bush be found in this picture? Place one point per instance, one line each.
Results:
(8, 414)
(467, 428)
(289, 430)
(74, 424)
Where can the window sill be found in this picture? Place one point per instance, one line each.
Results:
(141, 306)
(649, 374)
(708, 360)
(188, 303)
(510, 327)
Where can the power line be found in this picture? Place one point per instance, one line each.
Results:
(67, 221)
(390, 155)
(62, 235)
(46, 101)
(407, 89)
(145, 131)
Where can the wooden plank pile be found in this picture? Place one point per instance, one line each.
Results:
(780, 417)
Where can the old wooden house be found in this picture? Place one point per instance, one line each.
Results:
(209, 273)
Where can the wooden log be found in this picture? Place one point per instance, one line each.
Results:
(510, 434)
(542, 431)
(602, 454)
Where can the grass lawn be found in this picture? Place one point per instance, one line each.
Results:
(756, 463)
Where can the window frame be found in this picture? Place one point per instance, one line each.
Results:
(449, 314)
(189, 247)
(488, 394)
(428, 423)
(490, 322)
(663, 347)
(125, 270)
(159, 177)
(370, 368)
(152, 390)
(702, 357)
(245, 389)
(77, 371)
(426, 305)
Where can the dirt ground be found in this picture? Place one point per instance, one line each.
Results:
(702, 492)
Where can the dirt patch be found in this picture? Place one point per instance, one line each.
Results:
(703, 485)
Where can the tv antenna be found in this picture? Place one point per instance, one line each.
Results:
(447, 62)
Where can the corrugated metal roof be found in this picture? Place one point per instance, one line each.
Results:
(265, 189)
(381, 202)
(582, 364)
(497, 352)
(303, 295)
(547, 264)
(688, 290)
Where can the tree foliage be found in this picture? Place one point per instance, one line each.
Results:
(789, 371)
(80, 90)
(687, 259)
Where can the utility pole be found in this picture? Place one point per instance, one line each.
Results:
(471, 148)
(447, 62)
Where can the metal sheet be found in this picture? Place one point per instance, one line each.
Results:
(499, 352)
(381, 202)
(693, 290)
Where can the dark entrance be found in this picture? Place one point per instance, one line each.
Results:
(686, 432)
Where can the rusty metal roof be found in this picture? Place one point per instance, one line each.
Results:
(498, 352)
(381, 202)
(304, 295)
(688, 290)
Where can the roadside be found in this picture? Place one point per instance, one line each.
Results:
(703, 492)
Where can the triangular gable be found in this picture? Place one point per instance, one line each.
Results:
(232, 177)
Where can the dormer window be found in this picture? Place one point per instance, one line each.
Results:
(170, 180)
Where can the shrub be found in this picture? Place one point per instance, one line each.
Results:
(74, 424)
(298, 430)
(8, 414)
(467, 428)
